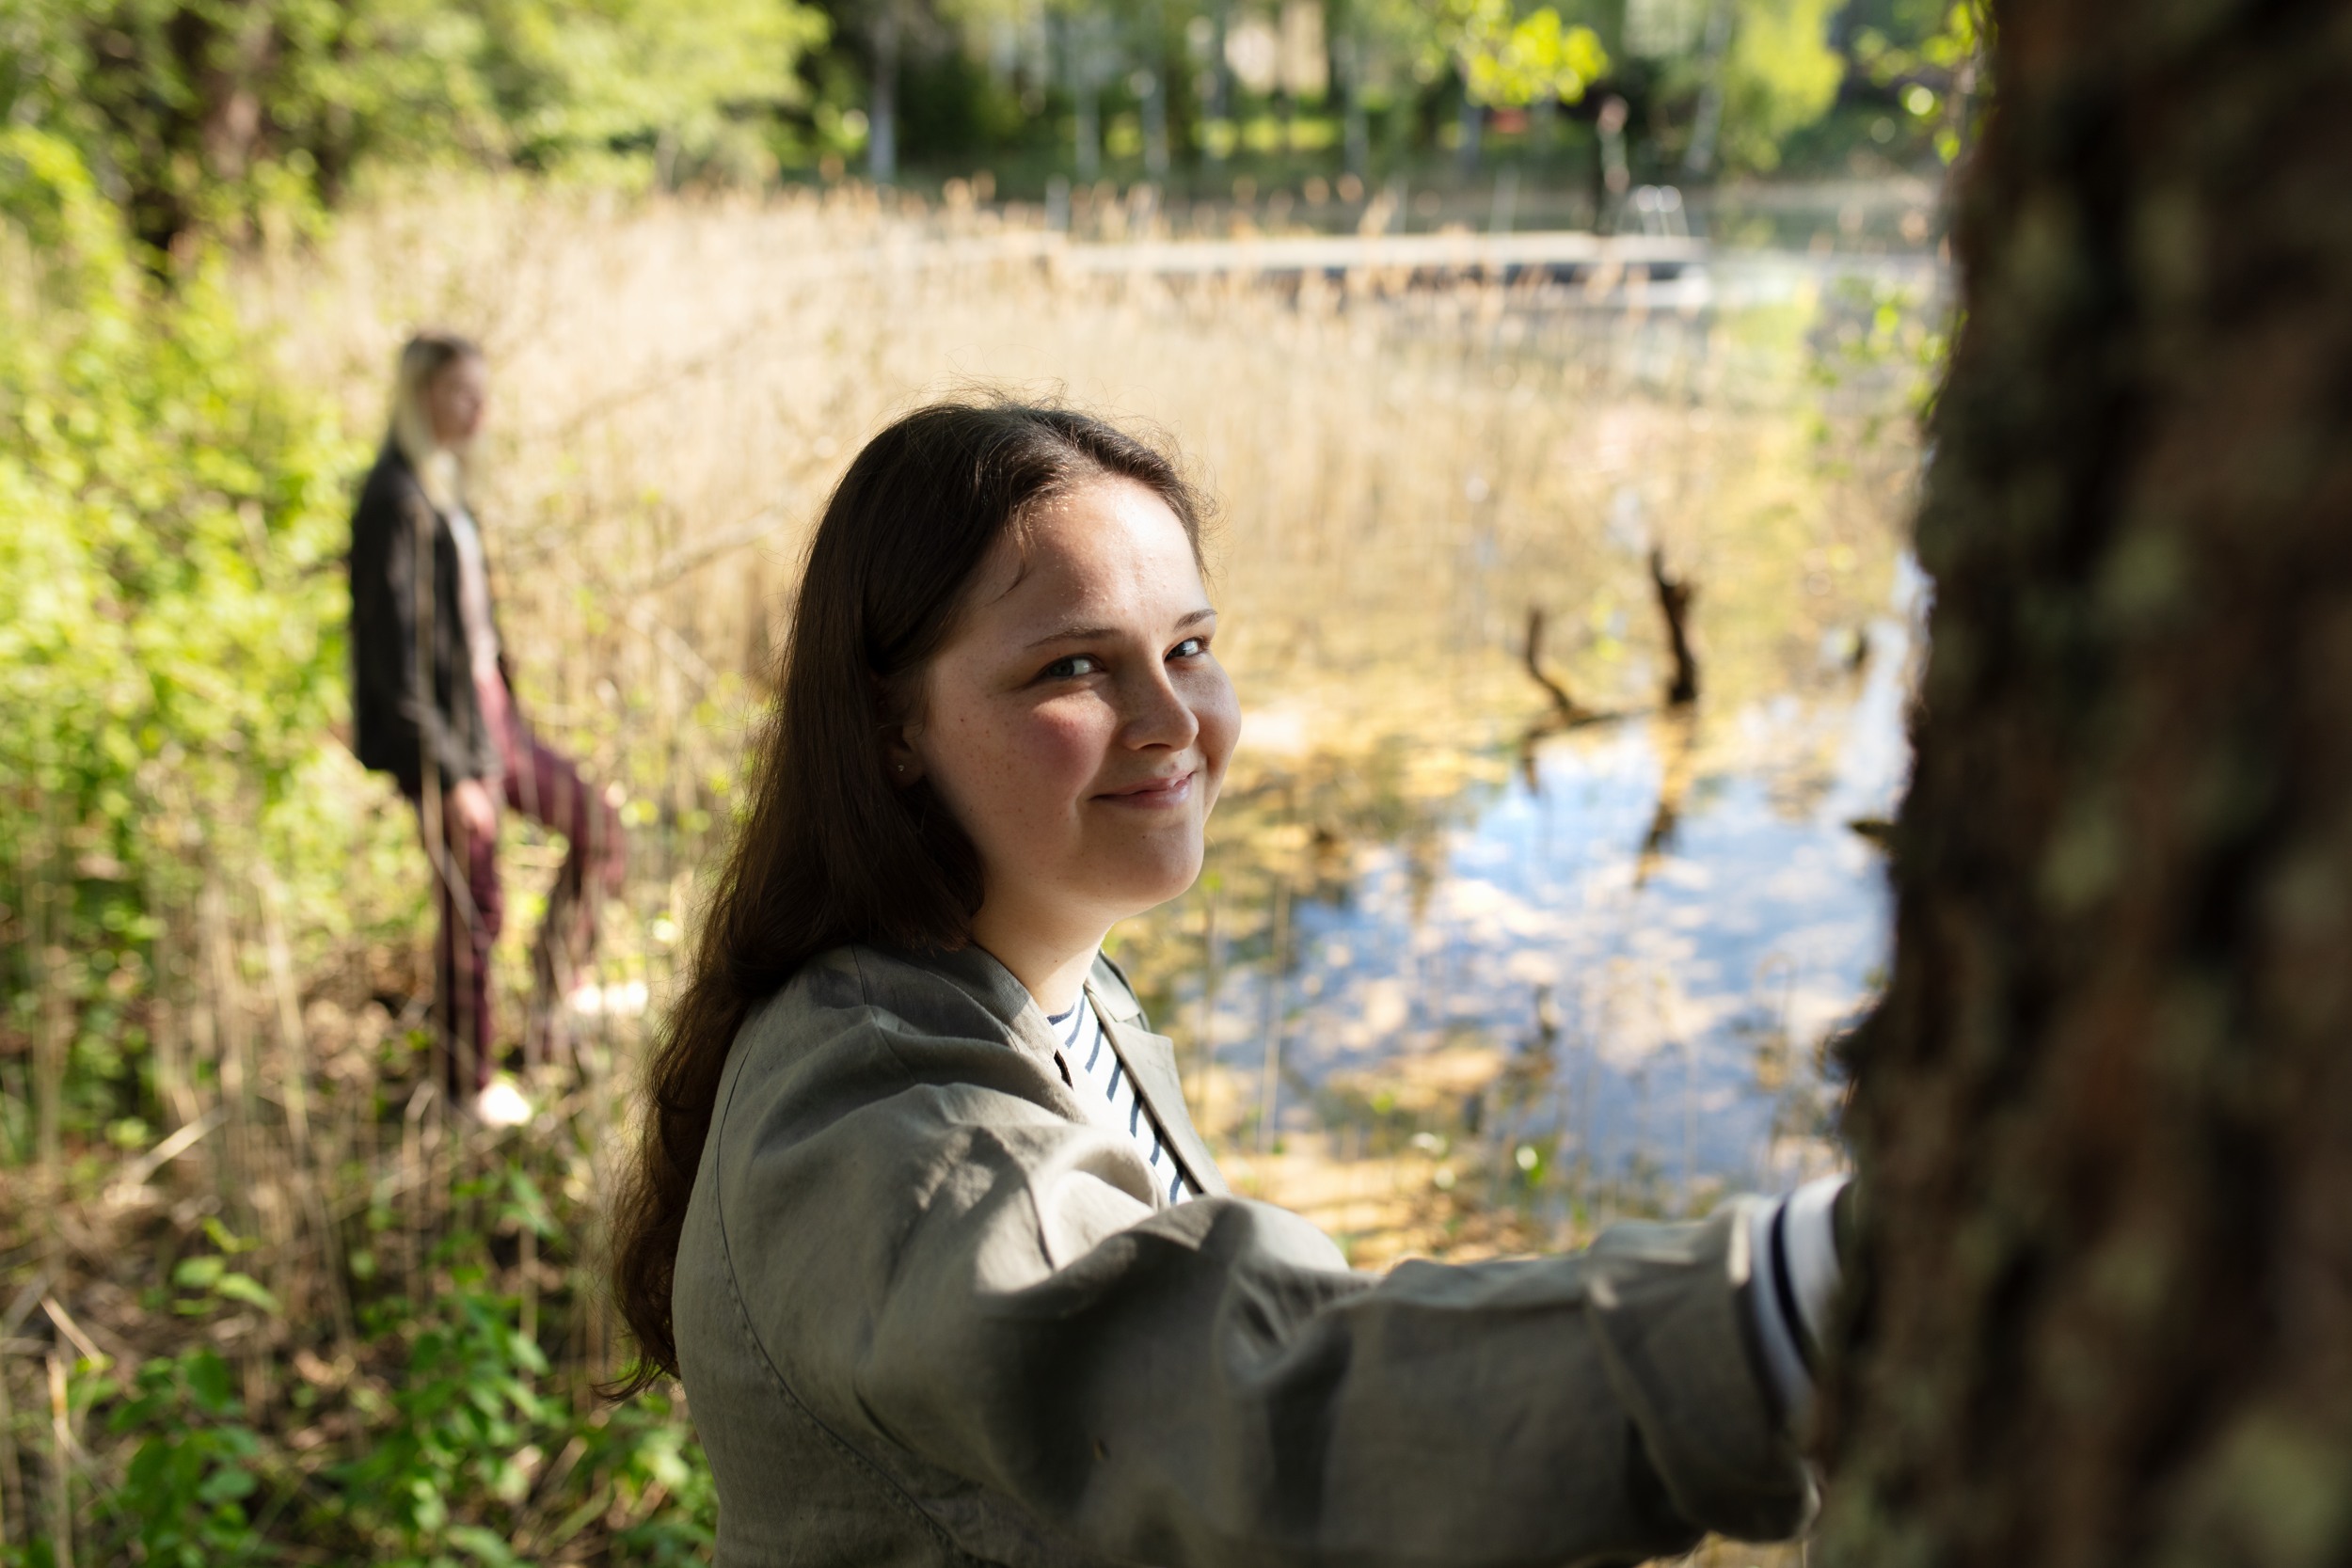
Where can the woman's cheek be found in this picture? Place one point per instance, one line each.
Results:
(1061, 748)
(1218, 710)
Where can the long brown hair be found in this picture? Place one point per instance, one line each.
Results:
(832, 851)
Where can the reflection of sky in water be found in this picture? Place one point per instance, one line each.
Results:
(1764, 912)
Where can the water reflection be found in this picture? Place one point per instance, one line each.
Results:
(1599, 975)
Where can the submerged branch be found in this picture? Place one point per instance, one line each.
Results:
(1567, 708)
(1674, 604)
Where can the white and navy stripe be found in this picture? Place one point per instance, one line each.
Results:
(1792, 1248)
(1093, 1069)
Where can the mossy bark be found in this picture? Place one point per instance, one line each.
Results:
(2105, 1112)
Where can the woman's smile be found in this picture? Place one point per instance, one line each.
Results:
(1173, 789)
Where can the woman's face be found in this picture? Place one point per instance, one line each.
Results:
(456, 398)
(1078, 724)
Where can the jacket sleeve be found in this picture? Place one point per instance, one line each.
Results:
(385, 533)
(1210, 1384)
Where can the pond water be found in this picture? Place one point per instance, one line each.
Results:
(1571, 972)
(1622, 964)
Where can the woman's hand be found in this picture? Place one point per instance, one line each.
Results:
(469, 803)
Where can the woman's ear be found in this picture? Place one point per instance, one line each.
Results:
(899, 758)
(901, 726)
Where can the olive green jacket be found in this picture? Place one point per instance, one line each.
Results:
(928, 1312)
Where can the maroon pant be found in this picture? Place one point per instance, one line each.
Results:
(546, 786)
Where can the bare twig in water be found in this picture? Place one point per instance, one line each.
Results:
(1677, 731)
(1269, 1086)
(1674, 603)
(1877, 831)
(1566, 712)
(1570, 710)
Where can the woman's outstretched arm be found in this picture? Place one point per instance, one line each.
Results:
(961, 1282)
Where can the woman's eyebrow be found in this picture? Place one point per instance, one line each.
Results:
(1073, 632)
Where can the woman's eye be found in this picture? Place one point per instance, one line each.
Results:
(1191, 647)
(1072, 667)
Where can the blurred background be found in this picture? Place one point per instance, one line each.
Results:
(1496, 330)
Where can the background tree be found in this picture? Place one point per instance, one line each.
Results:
(1731, 81)
(2104, 1110)
(1931, 62)
(1511, 58)
(1501, 57)
(1780, 74)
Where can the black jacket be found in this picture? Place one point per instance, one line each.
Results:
(393, 730)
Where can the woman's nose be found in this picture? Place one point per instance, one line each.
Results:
(1157, 714)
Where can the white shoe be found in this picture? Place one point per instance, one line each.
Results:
(502, 1104)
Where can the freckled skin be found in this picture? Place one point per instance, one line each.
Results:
(1078, 727)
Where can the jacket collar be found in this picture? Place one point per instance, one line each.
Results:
(1151, 1063)
(974, 971)
(1150, 1058)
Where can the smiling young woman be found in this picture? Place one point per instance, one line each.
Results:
(1076, 724)
(920, 1217)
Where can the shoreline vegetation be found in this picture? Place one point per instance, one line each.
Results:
(262, 1298)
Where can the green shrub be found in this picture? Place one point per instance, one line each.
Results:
(185, 1495)
(171, 524)
(467, 1458)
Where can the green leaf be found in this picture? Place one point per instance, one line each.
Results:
(483, 1546)
(197, 1274)
(227, 1240)
(208, 1381)
(245, 1288)
(228, 1486)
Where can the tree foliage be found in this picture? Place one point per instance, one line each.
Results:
(1508, 59)
(194, 113)
(1780, 75)
(1937, 66)
(172, 526)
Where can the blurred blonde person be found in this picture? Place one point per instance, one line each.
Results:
(431, 706)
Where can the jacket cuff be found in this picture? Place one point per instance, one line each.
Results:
(1680, 1339)
(1792, 1247)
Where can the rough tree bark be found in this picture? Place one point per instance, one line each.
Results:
(2105, 1109)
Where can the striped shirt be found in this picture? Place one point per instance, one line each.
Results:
(1093, 1069)
(1792, 1247)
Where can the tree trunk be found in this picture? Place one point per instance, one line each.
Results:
(1707, 126)
(1154, 79)
(2103, 1114)
(882, 148)
(1219, 106)
(1085, 83)
(1356, 131)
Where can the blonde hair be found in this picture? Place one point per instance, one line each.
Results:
(440, 470)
